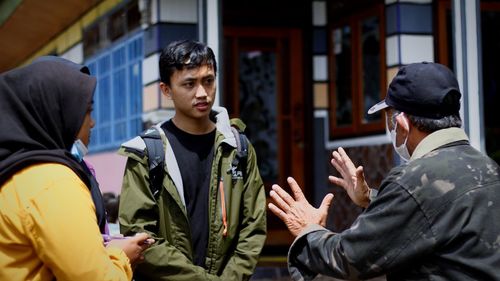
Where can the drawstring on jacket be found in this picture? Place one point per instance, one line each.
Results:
(223, 206)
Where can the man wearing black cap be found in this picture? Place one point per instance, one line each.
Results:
(435, 217)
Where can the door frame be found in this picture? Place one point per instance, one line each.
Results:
(291, 113)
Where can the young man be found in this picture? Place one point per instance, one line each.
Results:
(209, 216)
(434, 216)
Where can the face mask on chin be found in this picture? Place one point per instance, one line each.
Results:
(79, 150)
(401, 150)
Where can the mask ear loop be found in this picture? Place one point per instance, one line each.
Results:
(405, 125)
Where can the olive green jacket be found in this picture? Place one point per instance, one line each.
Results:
(234, 243)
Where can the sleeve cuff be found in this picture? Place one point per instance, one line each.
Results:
(296, 270)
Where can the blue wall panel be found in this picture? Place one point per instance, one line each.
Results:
(408, 18)
(160, 35)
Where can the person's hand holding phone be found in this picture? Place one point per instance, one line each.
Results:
(133, 246)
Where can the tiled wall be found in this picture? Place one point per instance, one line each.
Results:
(320, 54)
(409, 33)
(170, 20)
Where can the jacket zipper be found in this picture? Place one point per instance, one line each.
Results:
(213, 234)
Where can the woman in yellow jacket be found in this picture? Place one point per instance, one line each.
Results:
(48, 224)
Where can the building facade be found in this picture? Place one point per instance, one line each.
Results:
(301, 74)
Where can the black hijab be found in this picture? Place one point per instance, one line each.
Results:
(42, 108)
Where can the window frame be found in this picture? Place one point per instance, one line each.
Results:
(357, 127)
(107, 120)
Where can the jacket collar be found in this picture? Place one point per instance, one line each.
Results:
(223, 124)
(438, 139)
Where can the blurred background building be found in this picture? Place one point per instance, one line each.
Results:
(301, 74)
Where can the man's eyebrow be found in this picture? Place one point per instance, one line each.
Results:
(208, 76)
(189, 79)
(192, 78)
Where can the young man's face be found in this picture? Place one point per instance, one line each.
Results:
(192, 91)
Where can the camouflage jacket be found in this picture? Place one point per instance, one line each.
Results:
(435, 218)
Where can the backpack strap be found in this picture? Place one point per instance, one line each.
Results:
(241, 143)
(156, 159)
(241, 149)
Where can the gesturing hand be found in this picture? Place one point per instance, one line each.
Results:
(296, 212)
(353, 179)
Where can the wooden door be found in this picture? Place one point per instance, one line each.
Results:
(263, 86)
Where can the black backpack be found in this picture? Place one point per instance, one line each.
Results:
(156, 155)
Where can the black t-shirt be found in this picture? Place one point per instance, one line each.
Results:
(194, 154)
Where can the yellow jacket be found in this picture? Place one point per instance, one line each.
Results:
(48, 230)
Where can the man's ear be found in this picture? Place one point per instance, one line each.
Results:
(165, 90)
(403, 121)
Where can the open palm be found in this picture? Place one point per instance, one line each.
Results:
(296, 212)
(352, 178)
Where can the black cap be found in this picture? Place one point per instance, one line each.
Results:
(423, 89)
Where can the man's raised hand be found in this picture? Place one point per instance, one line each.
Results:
(296, 212)
(352, 178)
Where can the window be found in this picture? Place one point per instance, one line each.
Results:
(118, 96)
(111, 27)
(358, 73)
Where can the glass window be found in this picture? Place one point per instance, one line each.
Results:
(110, 28)
(342, 75)
(257, 76)
(357, 74)
(370, 70)
(118, 96)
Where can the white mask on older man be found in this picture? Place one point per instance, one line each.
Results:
(401, 150)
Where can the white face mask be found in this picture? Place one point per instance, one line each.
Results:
(79, 150)
(401, 150)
